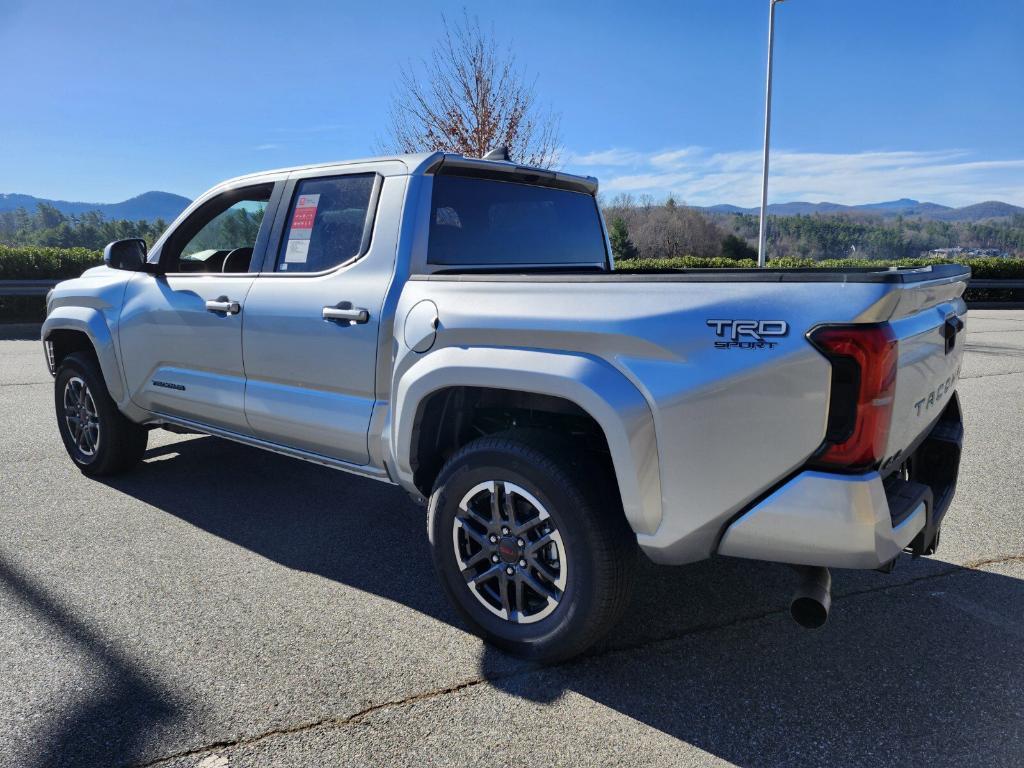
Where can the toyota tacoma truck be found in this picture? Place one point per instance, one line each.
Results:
(456, 326)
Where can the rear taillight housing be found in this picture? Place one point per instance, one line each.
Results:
(864, 360)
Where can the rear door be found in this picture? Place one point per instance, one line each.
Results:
(180, 332)
(313, 316)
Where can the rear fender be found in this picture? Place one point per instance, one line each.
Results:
(612, 400)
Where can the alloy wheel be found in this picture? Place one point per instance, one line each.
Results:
(81, 417)
(510, 552)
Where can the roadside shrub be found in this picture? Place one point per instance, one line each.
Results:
(39, 263)
(983, 268)
(28, 262)
(682, 262)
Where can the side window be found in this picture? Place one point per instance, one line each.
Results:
(220, 236)
(328, 223)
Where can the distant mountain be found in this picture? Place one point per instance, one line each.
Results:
(991, 209)
(726, 208)
(906, 207)
(148, 206)
(891, 208)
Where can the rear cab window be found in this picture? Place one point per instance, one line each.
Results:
(486, 223)
(328, 223)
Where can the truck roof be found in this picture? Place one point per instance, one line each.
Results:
(431, 162)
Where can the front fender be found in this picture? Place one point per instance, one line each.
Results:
(90, 321)
(592, 384)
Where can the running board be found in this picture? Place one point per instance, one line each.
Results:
(294, 453)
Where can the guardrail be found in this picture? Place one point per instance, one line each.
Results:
(26, 287)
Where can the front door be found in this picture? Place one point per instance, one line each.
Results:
(181, 331)
(310, 336)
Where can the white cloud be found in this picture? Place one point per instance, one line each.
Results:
(699, 177)
(604, 158)
(673, 158)
(264, 147)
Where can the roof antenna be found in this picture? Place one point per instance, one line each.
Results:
(498, 153)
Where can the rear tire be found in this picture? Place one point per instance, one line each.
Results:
(97, 436)
(531, 544)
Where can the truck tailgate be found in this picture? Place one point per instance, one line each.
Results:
(931, 342)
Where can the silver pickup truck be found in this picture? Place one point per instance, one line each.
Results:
(456, 326)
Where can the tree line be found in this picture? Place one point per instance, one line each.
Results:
(643, 229)
(47, 226)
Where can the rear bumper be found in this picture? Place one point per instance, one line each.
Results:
(856, 521)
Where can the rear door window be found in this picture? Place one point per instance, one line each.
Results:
(328, 223)
(483, 222)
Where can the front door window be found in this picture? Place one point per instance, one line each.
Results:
(219, 237)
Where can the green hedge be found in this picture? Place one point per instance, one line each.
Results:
(38, 263)
(985, 268)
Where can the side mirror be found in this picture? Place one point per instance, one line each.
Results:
(127, 254)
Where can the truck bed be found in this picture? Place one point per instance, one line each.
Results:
(730, 422)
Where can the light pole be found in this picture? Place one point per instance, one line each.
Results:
(762, 234)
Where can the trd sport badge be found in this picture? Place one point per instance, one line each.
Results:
(748, 334)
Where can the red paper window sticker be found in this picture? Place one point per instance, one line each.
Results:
(304, 216)
(301, 228)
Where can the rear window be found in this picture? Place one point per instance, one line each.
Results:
(482, 222)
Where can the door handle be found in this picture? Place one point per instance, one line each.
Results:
(952, 327)
(223, 304)
(349, 313)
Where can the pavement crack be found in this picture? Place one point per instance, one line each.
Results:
(358, 717)
(990, 375)
(328, 722)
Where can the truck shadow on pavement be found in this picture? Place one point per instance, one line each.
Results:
(931, 672)
(924, 664)
(117, 713)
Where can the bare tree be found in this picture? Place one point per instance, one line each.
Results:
(469, 98)
(660, 231)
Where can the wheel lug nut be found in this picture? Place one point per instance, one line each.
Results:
(493, 539)
(520, 542)
(522, 563)
(504, 531)
(494, 558)
(510, 570)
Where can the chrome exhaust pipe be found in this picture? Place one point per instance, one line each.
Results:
(813, 597)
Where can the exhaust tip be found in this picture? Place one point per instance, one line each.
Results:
(808, 612)
(813, 598)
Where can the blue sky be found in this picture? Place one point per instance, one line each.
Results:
(874, 99)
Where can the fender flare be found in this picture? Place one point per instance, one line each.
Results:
(607, 395)
(91, 322)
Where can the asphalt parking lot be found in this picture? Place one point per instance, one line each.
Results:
(221, 606)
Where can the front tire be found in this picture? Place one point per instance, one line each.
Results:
(531, 545)
(97, 436)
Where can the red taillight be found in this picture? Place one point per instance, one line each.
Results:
(864, 360)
